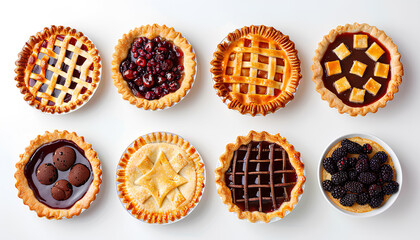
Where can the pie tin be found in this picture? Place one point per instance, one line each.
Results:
(397, 167)
(169, 222)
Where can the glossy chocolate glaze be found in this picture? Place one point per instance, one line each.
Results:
(346, 64)
(43, 192)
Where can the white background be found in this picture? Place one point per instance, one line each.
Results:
(110, 123)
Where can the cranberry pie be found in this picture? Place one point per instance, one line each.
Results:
(256, 70)
(58, 69)
(153, 66)
(357, 69)
(58, 175)
(261, 177)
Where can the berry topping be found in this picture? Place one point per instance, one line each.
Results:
(390, 188)
(351, 147)
(339, 178)
(387, 173)
(375, 190)
(339, 153)
(352, 175)
(329, 165)
(342, 164)
(362, 165)
(376, 201)
(327, 185)
(338, 192)
(363, 198)
(381, 156)
(367, 178)
(354, 187)
(348, 200)
(367, 148)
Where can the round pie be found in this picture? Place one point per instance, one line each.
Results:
(58, 70)
(357, 69)
(261, 177)
(256, 70)
(153, 67)
(58, 175)
(160, 178)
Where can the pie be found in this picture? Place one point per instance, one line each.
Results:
(153, 67)
(261, 177)
(58, 70)
(357, 69)
(58, 175)
(160, 178)
(256, 70)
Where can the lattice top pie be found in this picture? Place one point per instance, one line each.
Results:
(256, 70)
(357, 69)
(58, 69)
(160, 178)
(260, 177)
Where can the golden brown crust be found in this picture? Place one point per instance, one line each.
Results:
(27, 195)
(395, 64)
(255, 103)
(25, 63)
(226, 194)
(134, 205)
(356, 208)
(152, 31)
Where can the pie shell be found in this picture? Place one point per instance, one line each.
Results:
(130, 201)
(356, 208)
(395, 64)
(26, 193)
(22, 73)
(255, 106)
(150, 32)
(226, 194)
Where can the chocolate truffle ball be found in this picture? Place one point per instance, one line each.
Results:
(61, 190)
(46, 174)
(64, 158)
(78, 175)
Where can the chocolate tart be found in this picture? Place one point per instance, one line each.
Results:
(256, 70)
(160, 178)
(59, 175)
(153, 67)
(357, 69)
(261, 177)
(58, 70)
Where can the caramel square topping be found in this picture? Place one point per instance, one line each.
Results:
(381, 70)
(360, 41)
(358, 68)
(342, 85)
(357, 95)
(372, 86)
(341, 51)
(375, 51)
(333, 67)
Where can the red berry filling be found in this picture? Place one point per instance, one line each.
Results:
(153, 68)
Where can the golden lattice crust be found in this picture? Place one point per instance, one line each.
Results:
(396, 68)
(26, 193)
(26, 61)
(150, 32)
(225, 159)
(253, 103)
(160, 178)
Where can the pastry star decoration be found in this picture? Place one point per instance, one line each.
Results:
(161, 179)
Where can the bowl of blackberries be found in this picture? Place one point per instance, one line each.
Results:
(360, 175)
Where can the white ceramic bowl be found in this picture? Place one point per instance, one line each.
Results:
(397, 167)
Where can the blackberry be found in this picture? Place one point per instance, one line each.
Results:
(352, 174)
(351, 147)
(338, 192)
(339, 178)
(327, 185)
(339, 153)
(342, 164)
(352, 162)
(376, 201)
(387, 174)
(390, 188)
(367, 178)
(362, 165)
(367, 148)
(381, 156)
(375, 190)
(354, 187)
(375, 164)
(348, 200)
(363, 198)
(363, 156)
(329, 165)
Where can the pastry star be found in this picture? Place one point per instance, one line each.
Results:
(161, 179)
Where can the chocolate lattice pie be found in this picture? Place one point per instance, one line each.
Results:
(256, 70)
(58, 69)
(261, 177)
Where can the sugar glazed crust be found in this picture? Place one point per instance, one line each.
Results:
(226, 194)
(150, 32)
(395, 64)
(28, 58)
(26, 193)
(252, 103)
